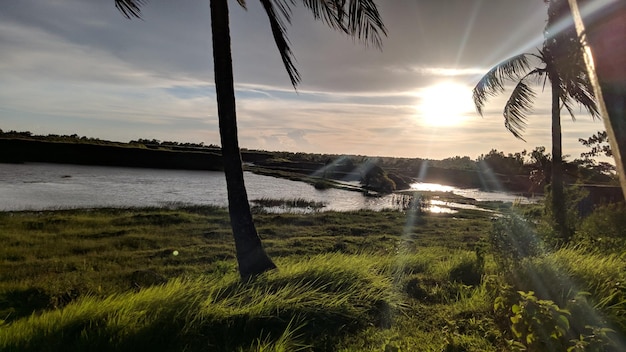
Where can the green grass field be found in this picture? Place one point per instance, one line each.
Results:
(166, 280)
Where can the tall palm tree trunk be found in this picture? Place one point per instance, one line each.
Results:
(251, 256)
(556, 183)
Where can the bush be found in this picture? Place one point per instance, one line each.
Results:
(512, 239)
(573, 197)
(539, 325)
(589, 286)
(605, 228)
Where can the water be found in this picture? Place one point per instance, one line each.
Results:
(474, 193)
(40, 186)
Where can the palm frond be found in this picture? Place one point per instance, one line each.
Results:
(567, 103)
(583, 97)
(130, 8)
(492, 83)
(518, 107)
(357, 18)
(331, 12)
(279, 31)
(580, 90)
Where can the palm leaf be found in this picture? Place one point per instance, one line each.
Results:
(279, 31)
(492, 83)
(580, 90)
(519, 106)
(130, 8)
(331, 12)
(357, 18)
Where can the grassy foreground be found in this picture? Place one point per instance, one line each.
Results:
(165, 280)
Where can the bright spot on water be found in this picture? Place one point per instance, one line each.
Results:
(431, 187)
(440, 210)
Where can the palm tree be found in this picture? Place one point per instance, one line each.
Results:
(560, 62)
(356, 18)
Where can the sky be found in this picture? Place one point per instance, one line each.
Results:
(80, 67)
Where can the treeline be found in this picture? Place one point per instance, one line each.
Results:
(155, 143)
(25, 150)
(522, 171)
(74, 138)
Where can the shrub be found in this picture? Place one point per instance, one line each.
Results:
(539, 325)
(605, 228)
(573, 197)
(512, 239)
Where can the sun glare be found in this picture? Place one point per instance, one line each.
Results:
(445, 104)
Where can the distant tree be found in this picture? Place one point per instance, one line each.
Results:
(511, 164)
(356, 18)
(560, 62)
(599, 144)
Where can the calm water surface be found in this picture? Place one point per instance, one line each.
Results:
(39, 186)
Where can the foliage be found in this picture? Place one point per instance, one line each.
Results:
(512, 239)
(283, 204)
(586, 288)
(573, 195)
(604, 229)
(538, 325)
(599, 144)
(375, 178)
(511, 164)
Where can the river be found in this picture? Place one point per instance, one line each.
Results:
(41, 186)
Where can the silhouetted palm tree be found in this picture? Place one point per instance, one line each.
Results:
(560, 63)
(357, 18)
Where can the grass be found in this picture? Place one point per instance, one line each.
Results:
(109, 279)
(205, 312)
(286, 204)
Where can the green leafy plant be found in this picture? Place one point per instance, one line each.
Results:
(596, 339)
(539, 325)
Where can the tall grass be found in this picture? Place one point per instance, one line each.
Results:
(330, 295)
(286, 205)
(596, 280)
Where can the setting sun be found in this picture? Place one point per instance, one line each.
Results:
(445, 104)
